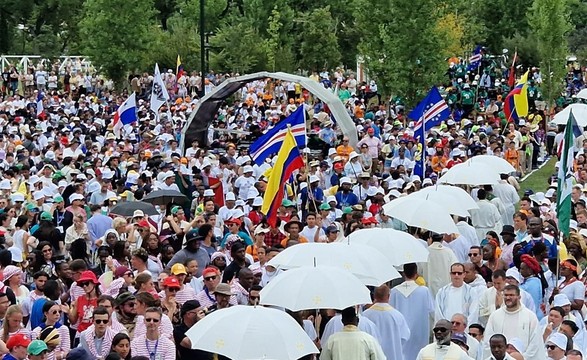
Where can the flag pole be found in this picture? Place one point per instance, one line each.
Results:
(423, 152)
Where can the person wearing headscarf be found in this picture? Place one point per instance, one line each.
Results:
(530, 270)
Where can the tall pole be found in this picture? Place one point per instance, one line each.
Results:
(203, 46)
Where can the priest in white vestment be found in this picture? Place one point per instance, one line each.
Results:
(335, 325)
(456, 297)
(486, 218)
(391, 325)
(437, 268)
(442, 348)
(416, 305)
(515, 321)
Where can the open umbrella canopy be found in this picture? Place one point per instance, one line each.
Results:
(164, 197)
(319, 287)
(365, 262)
(582, 94)
(251, 333)
(399, 247)
(423, 214)
(127, 208)
(456, 193)
(498, 164)
(579, 112)
(473, 174)
(448, 202)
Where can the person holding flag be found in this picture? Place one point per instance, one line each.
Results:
(125, 115)
(159, 94)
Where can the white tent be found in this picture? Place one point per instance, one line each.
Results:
(203, 115)
(579, 112)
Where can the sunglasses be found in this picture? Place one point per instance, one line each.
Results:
(130, 304)
(550, 347)
(254, 297)
(84, 284)
(130, 274)
(456, 272)
(471, 254)
(208, 278)
(100, 321)
(439, 329)
(152, 320)
(47, 251)
(173, 289)
(55, 312)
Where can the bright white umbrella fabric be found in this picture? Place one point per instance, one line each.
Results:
(365, 262)
(423, 214)
(579, 112)
(456, 193)
(320, 287)
(251, 333)
(473, 174)
(398, 246)
(446, 201)
(498, 164)
(582, 94)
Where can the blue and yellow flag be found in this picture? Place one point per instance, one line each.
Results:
(516, 103)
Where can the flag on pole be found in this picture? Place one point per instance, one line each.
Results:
(159, 94)
(179, 68)
(40, 107)
(428, 113)
(289, 159)
(512, 75)
(565, 176)
(270, 142)
(516, 103)
(126, 114)
(475, 59)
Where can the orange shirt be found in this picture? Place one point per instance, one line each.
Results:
(438, 163)
(344, 151)
(302, 240)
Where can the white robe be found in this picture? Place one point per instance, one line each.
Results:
(335, 325)
(392, 327)
(485, 218)
(460, 246)
(440, 352)
(437, 269)
(416, 305)
(522, 324)
(447, 304)
(352, 344)
(509, 196)
(468, 232)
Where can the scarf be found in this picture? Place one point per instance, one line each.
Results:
(128, 322)
(57, 325)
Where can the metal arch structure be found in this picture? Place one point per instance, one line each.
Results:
(202, 116)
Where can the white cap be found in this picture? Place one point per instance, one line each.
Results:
(314, 178)
(331, 198)
(248, 169)
(17, 197)
(346, 180)
(427, 181)
(331, 151)
(38, 195)
(107, 174)
(208, 192)
(371, 191)
(5, 185)
(138, 213)
(237, 213)
(513, 273)
(75, 196)
(395, 193)
(62, 183)
(34, 179)
(583, 232)
(522, 122)
(230, 196)
(573, 224)
(258, 201)
(353, 155)
(94, 187)
(132, 178)
(169, 174)
(561, 300)
(16, 254)
(549, 193)
(81, 177)
(558, 339)
(415, 178)
(252, 193)
(518, 344)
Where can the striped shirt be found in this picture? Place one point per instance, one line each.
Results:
(206, 299)
(65, 341)
(183, 295)
(114, 288)
(88, 341)
(165, 327)
(163, 348)
(75, 291)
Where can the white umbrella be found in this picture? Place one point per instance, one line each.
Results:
(582, 94)
(470, 174)
(500, 165)
(459, 195)
(448, 202)
(579, 112)
(250, 333)
(365, 262)
(423, 214)
(320, 287)
(398, 246)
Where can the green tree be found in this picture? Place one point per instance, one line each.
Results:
(118, 35)
(549, 21)
(401, 46)
(318, 42)
(273, 40)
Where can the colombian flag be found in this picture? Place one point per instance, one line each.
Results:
(179, 69)
(289, 159)
(516, 103)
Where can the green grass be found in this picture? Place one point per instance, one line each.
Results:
(538, 181)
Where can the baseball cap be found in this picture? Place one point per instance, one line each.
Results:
(189, 306)
(177, 269)
(18, 340)
(75, 196)
(138, 213)
(331, 229)
(172, 282)
(36, 347)
(46, 216)
(559, 340)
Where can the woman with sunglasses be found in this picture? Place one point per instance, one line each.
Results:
(123, 279)
(46, 263)
(169, 304)
(121, 346)
(81, 310)
(52, 317)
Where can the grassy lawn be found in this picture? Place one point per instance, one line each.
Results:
(538, 181)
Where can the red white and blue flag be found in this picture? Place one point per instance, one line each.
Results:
(125, 115)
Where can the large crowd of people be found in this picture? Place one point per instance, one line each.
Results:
(82, 280)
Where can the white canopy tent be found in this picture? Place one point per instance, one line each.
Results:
(202, 116)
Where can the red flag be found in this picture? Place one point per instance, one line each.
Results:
(512, 77)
